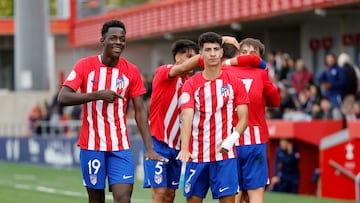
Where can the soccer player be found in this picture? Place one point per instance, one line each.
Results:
(208, 101)
(106, 83)
(164, 177)
(251, 150)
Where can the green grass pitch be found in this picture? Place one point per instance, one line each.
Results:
(29, 183)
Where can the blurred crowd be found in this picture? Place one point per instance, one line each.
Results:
(331, 92)
(49, 118)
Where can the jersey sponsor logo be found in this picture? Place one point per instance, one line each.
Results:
(126, 177)
(225, 91)
(223, 189)
(71, 76)
(93, 178)
(158, 179)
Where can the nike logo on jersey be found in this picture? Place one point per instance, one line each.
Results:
(127, 177)
(223, 189)
(174, 183)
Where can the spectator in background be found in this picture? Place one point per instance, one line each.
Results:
(314, 98)
(302, 77)
(331, 80)
(352, 75)
(326, 110)
(292, 68)
(283, 71)
(286, 168)
(35, 118)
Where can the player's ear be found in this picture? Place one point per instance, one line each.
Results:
(102, 39)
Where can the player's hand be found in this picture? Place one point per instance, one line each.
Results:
(152, 155)
(231, 40)
(220, 149)
(109, 95)
(275, 180)
(184, 155)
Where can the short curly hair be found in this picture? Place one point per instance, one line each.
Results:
(111, 23)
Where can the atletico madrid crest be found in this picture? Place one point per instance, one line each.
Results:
(187, 187)
(93, 179)
(158, 179)
(225, 91)
(120, 84)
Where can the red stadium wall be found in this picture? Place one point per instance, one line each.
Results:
(155, 19)
(306, 136)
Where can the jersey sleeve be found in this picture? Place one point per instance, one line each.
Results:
(76, 76)
(163, 72)
(137, 84)
(187, 95)
(270, 92)
(251, 60)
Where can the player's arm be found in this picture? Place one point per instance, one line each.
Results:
(67, 96)
(228, 143)
(187, 116)
(188, 65)
(246, 60)
(242, 113)
(143, 125)
(270, 92)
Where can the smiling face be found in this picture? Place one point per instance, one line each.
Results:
(113, 42)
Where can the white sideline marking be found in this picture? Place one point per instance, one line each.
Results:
(66, 192)
(24, 177)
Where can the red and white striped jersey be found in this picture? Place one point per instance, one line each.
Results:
(259, 89)
(164, 107)
(214, 103)
(104, 124)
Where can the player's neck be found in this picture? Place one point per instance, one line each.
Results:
(109, 61)
(212, 72)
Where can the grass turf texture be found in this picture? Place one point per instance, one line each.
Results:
(29, 183)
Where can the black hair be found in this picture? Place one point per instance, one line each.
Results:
(230, 50)
(254, 43)
(209, 37)
(111, 23)
(182, 46)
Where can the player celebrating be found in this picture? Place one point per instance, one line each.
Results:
(251, 151)
(106, 83)
(208, 101)
(164, 177)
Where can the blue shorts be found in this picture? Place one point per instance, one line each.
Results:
(252, 166)
(159, 174)
(220, 176)
(117, 166)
